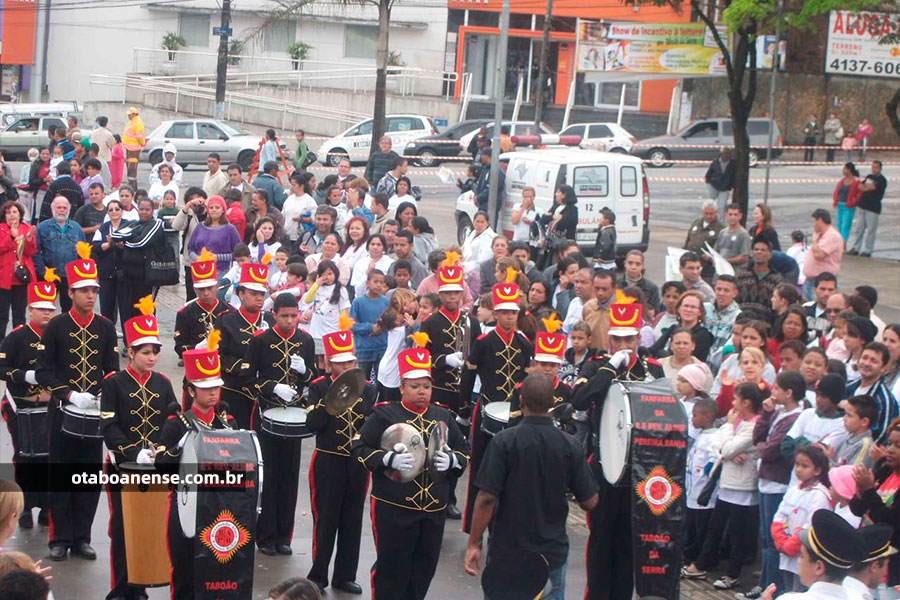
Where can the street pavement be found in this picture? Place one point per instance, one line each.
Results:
(676, 196)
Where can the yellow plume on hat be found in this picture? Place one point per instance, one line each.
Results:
(146, 305)
(50, 275)
(451, 259)
(419, 338)
(266, 259)
(83, 249)
(511, 274)
(551, 323)
(345, 322)
(621, 298)
(206, 255)
(212, 341)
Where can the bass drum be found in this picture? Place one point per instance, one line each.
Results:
(615, 433)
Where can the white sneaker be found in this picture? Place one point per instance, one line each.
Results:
(753, 594)
(725, 583)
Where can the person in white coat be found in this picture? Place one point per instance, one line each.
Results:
(169, 154)
(477, 246)
(375, 258)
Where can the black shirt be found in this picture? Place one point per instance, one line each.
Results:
(88, 216)
(530, 468)
(871, 200)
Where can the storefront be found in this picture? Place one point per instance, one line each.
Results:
(17, 21)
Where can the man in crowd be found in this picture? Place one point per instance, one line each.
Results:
(483, 186)
(825, 252)
(720, 316)
(344, 174)
(104, 139)
(872, 362)
(324, 219)
(380, 161)
(403, 250)
(596, 310)
(63, 186)
(133, 140)
(870, 294)
(869, 205)
(689, 265)
(734, 241)
(704, 230)
(823, 286)
(720, 179)
(634, 277)
(268, 181)
(565, 249)
(388, 183)
(91, 215)
(836, 304)
(584, 293)
(56, 239)
(236, 182)
(214, 180)
(757, 282)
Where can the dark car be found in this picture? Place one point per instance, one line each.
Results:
(704, 139)
(445, 145)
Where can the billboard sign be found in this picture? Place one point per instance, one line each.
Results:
(854, 46)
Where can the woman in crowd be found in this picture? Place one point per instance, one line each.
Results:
(402, 194)
(331, 246)
(405, 213)
(357, 236)
(671, 291)
(140, 239)
(523, 215)
(792, 325)
(858, 331)
(260, 208)
(846, 195)
(126, 196)
(538, 300)
(298, 208)
(375, 258)
(215, 234)
(564, 288)
(39, 180)
(763, 225)
(264, 240)
(17, 247)
(326, 184)
(690, 316)
(477, 245)
(76, 172)
(784, 296)
(358, 200)
(116, 162)
(752, 361)
(681, 345)
(113, 290)
(891, 338)
(562, 218)
(753, 334)
(165, 183)
(424, 240)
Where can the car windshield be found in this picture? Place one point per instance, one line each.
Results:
(229, 129)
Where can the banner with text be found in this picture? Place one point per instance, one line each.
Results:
(854, 44)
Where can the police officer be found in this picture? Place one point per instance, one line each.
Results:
(280, 361)
(337, 483)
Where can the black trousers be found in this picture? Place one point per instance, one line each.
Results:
(62, 289)
(240, 407)
(407, 546)
(30, 471)
(610, 549)
(809, 154)
(337, 494)
(181, 555)
(16, 298)
(452, 401)
(696, 524)
(72, 509)
(189, 293)
(742, 523)
(124, 302)
(478, 443)
(118, 566)
(281, 457)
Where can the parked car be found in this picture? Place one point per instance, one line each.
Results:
(703, 140)
(195, 139)
(9, 113)
(356, 141)
(433, 149)
(600, 179)
(26, 132)
(610, 137)
(515, 128)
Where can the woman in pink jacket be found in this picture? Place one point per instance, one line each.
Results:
(14, 234)
(117, 163)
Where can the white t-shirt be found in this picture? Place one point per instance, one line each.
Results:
(325, 314)
(699, 455)
(395, 201)
(796, 511)
(818, 430)
(388, 369)
(353, 253)
(157, 190)
(522, 229)
(361, 271)
(294, 206)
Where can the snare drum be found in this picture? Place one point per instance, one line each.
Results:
(615, 432)
(285, 422)
(81, 422)
(32, 425)
(495, 417)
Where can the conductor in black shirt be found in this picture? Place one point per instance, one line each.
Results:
(522, 486)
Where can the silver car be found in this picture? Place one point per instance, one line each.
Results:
(27, 132)
(195, 139)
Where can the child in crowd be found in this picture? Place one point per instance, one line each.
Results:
(813, 367)
(485, 314)
(605, 247)
(55, 160)
(576, 356)
(370, 340)
(671, 292)
(790, 355)
(843, 490)
(809, 494)
(822, 425)
(428, 305)
(264, 241)
(323, 304)
(166, 213)
(240, 254)
(699, 462)
(294, 283)
(468, 183)
(278, 270)
(752, 362)
(401, 276)
(689, 387)
(779, 413)
(398, 320)
(736, 506)
(798, 251)
(834, 339)
(859, 414)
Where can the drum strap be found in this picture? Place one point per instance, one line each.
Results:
(11, 400)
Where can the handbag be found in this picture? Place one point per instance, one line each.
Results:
(20, 271)
(161, 267)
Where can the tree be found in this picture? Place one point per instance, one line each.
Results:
(744, 20)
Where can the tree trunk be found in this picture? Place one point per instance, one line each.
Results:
(891, 109)
(381, 59)
(741, 103)
(542, 66)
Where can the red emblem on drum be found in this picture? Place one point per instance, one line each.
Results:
(658, 490)
(224, 536)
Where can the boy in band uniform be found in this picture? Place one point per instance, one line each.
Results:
(549, 353)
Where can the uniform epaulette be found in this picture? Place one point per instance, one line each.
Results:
(377, 404)
(653, 361)
(598, 357)
(166, 377)
(483, 335)
(318, 379)
(429, 316)
(518, 385)
(110, 374)
(170, 417)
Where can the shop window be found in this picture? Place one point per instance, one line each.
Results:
(610, 93)
(360, 41)
(194, 29)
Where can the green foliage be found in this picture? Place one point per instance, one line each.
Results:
(299, 50)
(173, 41)
(235, 49)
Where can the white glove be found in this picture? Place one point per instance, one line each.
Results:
(455, 360)
(442, 461)
(201, 345)
(284, 391)
(298, 364)
(30, 378)
(619, 358)
(145, 457)
(82, 400)
(399, 458)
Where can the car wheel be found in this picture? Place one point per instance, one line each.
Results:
(155, 157)
(427, 158)
(619, 150)
(336, 155)
(463, 228)
(245, 159)
(659, 157)
(753, 158)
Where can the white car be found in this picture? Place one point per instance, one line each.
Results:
(356, 141)
(608, 137)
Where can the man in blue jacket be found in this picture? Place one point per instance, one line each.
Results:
(56, 239)
(268, 181)
(483, 186)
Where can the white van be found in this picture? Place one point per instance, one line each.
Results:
(600, 179)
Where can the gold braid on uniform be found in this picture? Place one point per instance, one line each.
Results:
(350, 418)
(453, 332)
(144, 411)
(508, 368)
(423, 499)
(285, 349)
(83, 353)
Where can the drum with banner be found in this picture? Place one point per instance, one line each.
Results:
(643, 433)
(221, 515)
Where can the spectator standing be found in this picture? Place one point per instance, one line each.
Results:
(605, 245)
(92, 170)
(165, 183)
(633, 276)
(403, 250)
(380, 161)
(356, 193)
(104, 139)
(17, 247)
(323, 222)
(375, 259)
(92, 214)
(848, 144)
(873, 187)
(824, 254)
(690, 316)
(486, 269)
(483, 185)
(476, 247)
(214, 180)
(523, 215)
(117, 163)
(583, 285)
(55, 246)
(596, 310)
(562, 218)
(106, 176)
(260, 208)
(369, 340)
(298, 208)
(690, 269)
(401, 193)
(235, 182)
(757, 282)
(114, 292)
(388, 182)
(329, 250)
(63, 186)
(845, 198)
(872, 364)
(824, 286)
(269, 151)
(810, 138)
(268, 182)
(764, 225)
(344, 176)
(356, 234)
(140, 239)
(302, 150)
(834, 133)
(863, 133)
(215, 234)
(133, 141)
(704, 230)
(719, 317)
(191, 213)
(733, 242)
(38, 181)
(720, 179)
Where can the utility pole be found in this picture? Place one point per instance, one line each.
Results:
(222, 62)
(542, 66)
(500, 94)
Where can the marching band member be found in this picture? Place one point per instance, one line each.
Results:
(197, 318)
(337, 483)
(500, 358)
(281, 361)
(18, 359)
(610, 567)
(549, 353)
(444, 330)
(237, 327)
(79, 349)
(203, 373)
(408, 517)
(133, 408)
